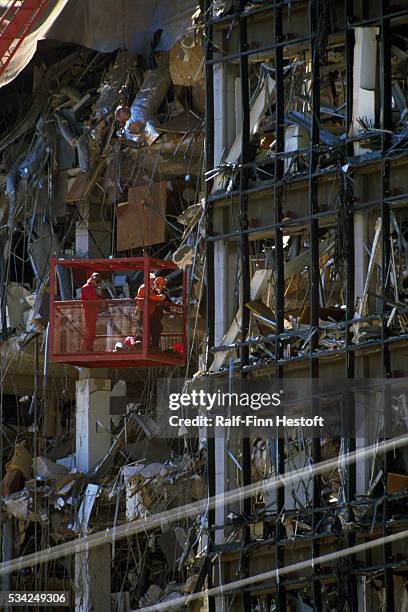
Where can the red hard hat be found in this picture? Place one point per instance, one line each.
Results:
(160, 281)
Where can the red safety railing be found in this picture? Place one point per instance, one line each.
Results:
(117, 332)
(16, 22)
(117, 328)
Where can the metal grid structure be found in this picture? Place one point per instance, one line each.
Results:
(233, 48)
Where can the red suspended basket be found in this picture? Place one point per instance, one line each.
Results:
(113, 330)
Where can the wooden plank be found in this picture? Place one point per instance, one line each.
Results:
(141, 221)
(84, 183)
(187, 64)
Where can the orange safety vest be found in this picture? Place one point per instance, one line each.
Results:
(154, 299)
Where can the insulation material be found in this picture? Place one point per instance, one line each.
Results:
(26, 170)
(139, 126)
(187, 62)
(79, 143)
(141, 220)
(110, 87)
(183, 257)
(17, 305)
(21, 460)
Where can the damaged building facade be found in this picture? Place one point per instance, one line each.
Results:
(253, 155)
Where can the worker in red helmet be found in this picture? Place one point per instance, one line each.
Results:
(159, 284)
(152, 295)
(91, 302)
(158, 302)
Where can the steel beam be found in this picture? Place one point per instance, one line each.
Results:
(245, 280)
(314, 276)
(209, 251)
(386, 124)
(280, 286)
(350, 440)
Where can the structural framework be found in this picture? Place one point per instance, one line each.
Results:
(204, 198)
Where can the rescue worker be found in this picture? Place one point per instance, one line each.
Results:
(158, 303)
(165, 304)
(91, 297)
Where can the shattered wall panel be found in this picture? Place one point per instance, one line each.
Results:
(141, 220)
(187, 62)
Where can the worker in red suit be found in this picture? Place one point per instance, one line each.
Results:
(158, 303)
(91, 297)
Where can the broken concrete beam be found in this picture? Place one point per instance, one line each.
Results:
(258, 284)
(47, 469)
(299, 263)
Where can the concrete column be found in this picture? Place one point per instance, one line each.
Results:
(226, 127)
(93, 440)
(364, 79)
(93, 390)
(225, 124)
(92, 232)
